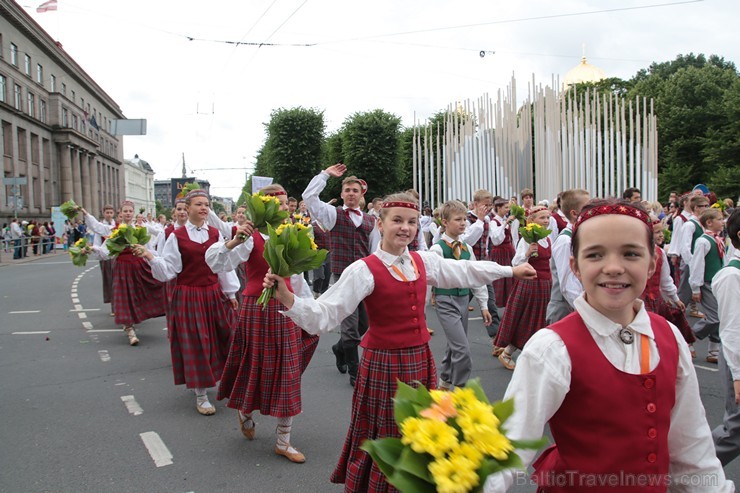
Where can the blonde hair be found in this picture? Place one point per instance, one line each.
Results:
(272, 188)
(697, 200)
(709, 215)
(481, 195)
(452, 207)
(571, 199)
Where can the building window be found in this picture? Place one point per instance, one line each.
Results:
(74, 122)
(39, 74)
(17, 93)
(74, 95)
(13, 54)
(65, 118)
(31, 105)
(3, 88)
(22, 145)
(53, 81)
(64, 88)
(42, 110)
(28, 65)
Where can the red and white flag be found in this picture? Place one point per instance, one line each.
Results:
(47, 6)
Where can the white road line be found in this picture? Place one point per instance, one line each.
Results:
(20, 312)
(103, 330)
(82, 315)
(30, 333)
(104, 356)
(75, 300)
(706, 368)
(120, 383)
(87, 325)
(131, 404)
(156, 448)
(475, 318)
(85, 309)
(78, 308)
(73, 290)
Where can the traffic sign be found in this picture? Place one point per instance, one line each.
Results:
(15, 181)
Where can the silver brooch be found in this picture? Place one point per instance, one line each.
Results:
(627, 336)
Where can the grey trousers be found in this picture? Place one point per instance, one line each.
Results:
(354, 326)
(727, 435)
(684, 289)
(709, 325)
(457, 363)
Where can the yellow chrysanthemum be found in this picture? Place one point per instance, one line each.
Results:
(428, 436)
(463, 397)
(492, 442)
(281, 228)
(300, 226)
(80, 242)
(469, 452)
(314, 246)
(477, 418)
(454, 475)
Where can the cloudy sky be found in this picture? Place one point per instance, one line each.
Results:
(175, 62)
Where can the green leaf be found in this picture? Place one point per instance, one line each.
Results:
(408, 483)
(530, 444)
(503, 409)
(474, 384)
(404, 409)
(405, 392)
(385, 452)
(416, 464)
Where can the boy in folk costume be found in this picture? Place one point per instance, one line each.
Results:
(137, 295)
(102, 230)
(268, 352)
(202, 313)
(527, 306)
(502, 247)
(707, 257)
(392, 281)
(615, 383)
(726, 286)
(452, 304)
(690, 232)
(352, 233)
(565, 285)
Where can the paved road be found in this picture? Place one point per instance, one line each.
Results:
(79, 406)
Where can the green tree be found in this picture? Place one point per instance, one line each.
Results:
(162, 209)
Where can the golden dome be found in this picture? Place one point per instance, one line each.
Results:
(583, 72)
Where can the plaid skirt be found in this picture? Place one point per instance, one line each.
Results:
(241, 274)
(308, 347)
(137, 296)
(503, 287)
(372, 410)
(525, 312)
(263, 369)
(673, 315)
(200, 321)
(106, 269)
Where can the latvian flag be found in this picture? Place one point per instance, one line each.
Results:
(47, 6)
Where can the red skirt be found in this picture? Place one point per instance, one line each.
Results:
(503, 287)
(308, 347)
(200, 322)
(106, 270)
(673, 315)
(263, 369)
(372, 410)
(137, 296)
(525, 312)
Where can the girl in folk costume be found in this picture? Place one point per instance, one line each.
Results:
(527, 305)
(180, 215)
(660, 295)
(392, 281)
(268, 352)
(137, 295)
(202, 313)
(502, 247)
(615, 382)
(102, 230)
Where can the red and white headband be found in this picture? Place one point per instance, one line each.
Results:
(619, 209)
(408, 205)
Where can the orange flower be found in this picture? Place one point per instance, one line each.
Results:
(442, 409)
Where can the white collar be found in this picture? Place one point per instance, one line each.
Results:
(447, 238)
(600, 324)
(193, 227)
(389, 259)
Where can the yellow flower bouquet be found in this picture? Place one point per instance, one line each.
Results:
(533, 232)
(450, 441)
(124, 236)
(290, 250)
(78, 252)
(263, 210)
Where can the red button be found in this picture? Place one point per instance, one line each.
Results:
(652, 433)
(415, 320)
(416, 330)
(413, 307)
(651, 408)
(649, 383)
(652, 457)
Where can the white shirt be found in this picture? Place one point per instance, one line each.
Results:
(674, 246)
(15, 231)
(474, 231)
(169, 264)
(541, 381)
(724, 284)
(480, 292)
(697, 264)
(100, 228)
(223, 227)
(687, 235)
(570, 286)
(667, 286)
(497, 233)
(357, 283)
(221, 260)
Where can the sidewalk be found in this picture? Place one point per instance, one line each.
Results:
(6, 258)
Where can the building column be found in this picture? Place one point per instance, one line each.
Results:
(77, 177)
(66, 171)
(94, 185)
(86, 185)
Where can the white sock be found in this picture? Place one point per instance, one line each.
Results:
(283, 434)
(247, 418)
(713, 347)
(510, 349)
(202, 398)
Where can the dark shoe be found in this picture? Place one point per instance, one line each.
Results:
(339, 355)
(352, 357)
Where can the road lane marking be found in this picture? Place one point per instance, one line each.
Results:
(30, 333)
(103, 330)
(21, 312)
(87, 325)
(475, 318)
(75, 300)
(156, 448)
(706, 368)
(82, 315)
(104, 356)
(85, 309)
(131, 404)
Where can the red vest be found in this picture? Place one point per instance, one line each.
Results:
(562, 223)
(541, 262)
(395, 308)
(612, 426)
(257, 268)
(482, 247)
(195, 271)
(652, 288)
(506, 243)
(168, 231)
(350, 243)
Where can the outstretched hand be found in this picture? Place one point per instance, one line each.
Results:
(524, 271)
(282, 293)
(336, 170)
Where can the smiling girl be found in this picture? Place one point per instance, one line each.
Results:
(392, 282)
(615, 383)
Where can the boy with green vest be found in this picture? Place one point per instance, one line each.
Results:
(706, 260)
(726, 286)
(452, 304)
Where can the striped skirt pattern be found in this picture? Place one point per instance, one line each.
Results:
(525, 312)
(372, 410)
(263, 369)
(503, 287)
(200, 321)
(137, 296)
